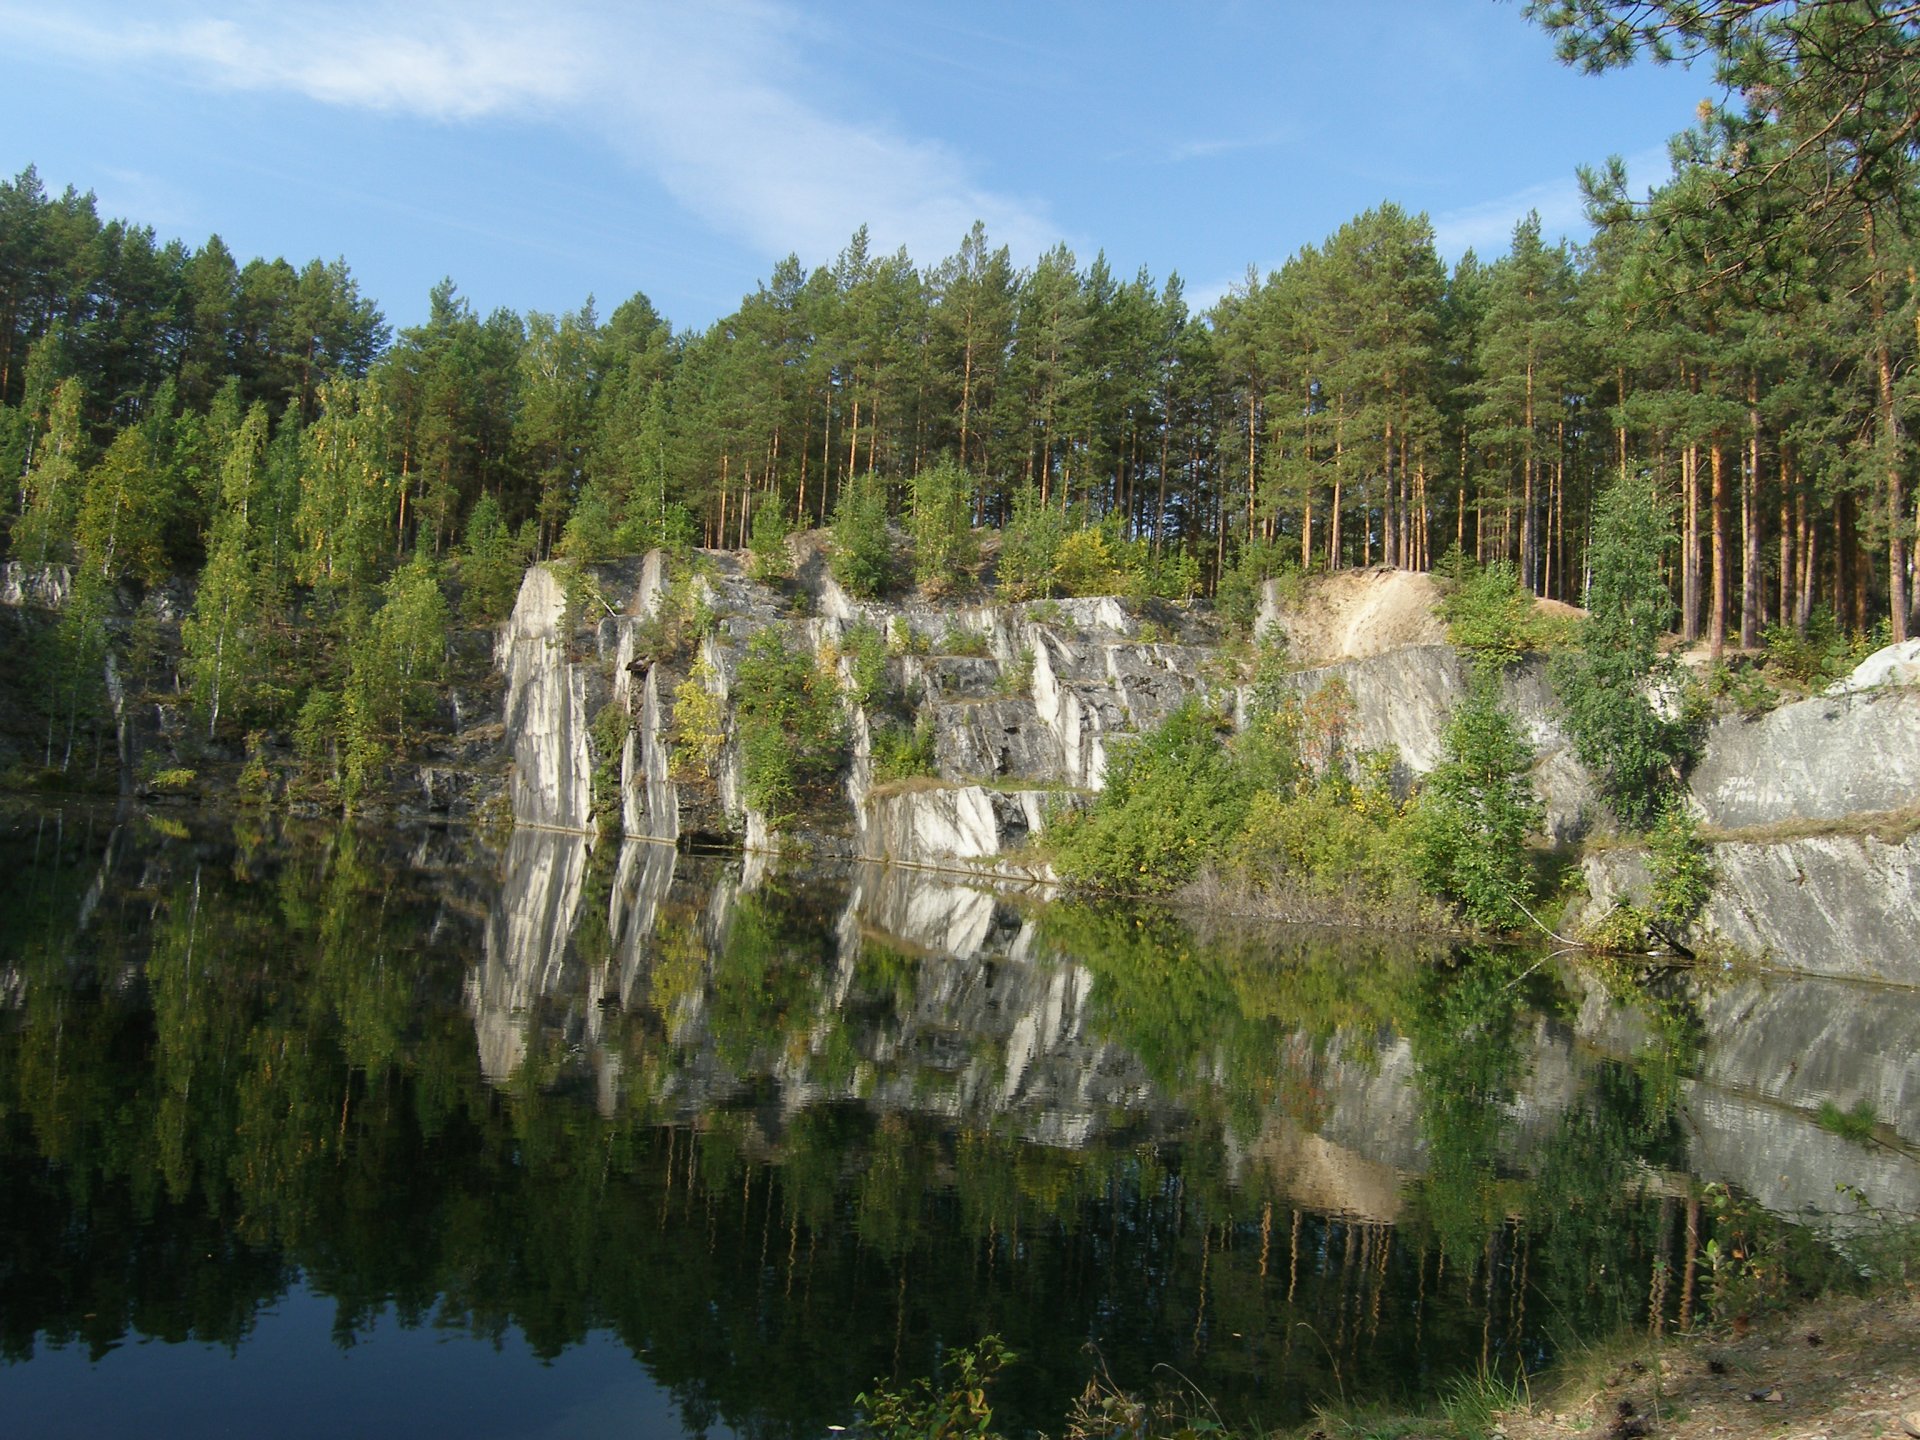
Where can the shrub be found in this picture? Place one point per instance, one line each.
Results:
(867, 649)
(699, 727)
(1030, 547)
(769, 560)
(491, 563)
(1017, 678)
(1811, 658)
(1086, 565)
(792, 736)
(900, 752)
(1637, 753)
(1470, 826)
(1678, 867)
(945, 550)
(1172, 801)
(862, 558)
(1237, 596)
(958, 640)
(1489, 614)
(610, 729)
(957, 1411)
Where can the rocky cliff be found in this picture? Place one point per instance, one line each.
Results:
(1027, 703)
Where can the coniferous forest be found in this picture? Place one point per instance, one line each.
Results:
(1741, 343)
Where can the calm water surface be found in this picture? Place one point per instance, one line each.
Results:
(362, 1132)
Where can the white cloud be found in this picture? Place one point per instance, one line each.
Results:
(708, 99)
(1487, 228)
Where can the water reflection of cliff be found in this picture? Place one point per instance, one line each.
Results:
(783, 1132)
(682, 987)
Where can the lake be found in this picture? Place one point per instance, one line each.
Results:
(328, 1131)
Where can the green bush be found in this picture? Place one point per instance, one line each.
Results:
(769, 559)
(866, 648)
(945, 550)
(792, 735)
(491, 563)
(1326, 839)
(1030, 548)
(699, 728)
(1237, 596)
(862, 556)
(1637, 753)
(958, 1410)
(900, 753)
(1470, 826)
(1489, 614)
(1172, 801)
(1677, 864)
(958, 640)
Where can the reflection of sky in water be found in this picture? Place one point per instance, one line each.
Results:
(289, 1379)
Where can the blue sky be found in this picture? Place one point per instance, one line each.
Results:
(539, 153)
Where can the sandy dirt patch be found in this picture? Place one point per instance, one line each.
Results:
(1839, 1368)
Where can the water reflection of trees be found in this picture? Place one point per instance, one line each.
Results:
(257, 1060)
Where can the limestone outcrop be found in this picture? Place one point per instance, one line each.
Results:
(1024, 706)
(1819, 759)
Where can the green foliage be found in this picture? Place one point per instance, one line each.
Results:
(680, 622)
(1678, 866)
(958, 1409)
(1030, 544)
(1470, 827)
(769, 557)
(1817, 656)
(1237, 597)
(492, 563)
(1328, 839)
(866, 650)
(51, 490)
(792, 734)
(396, 665)
(609, 731)
(1490, 614)
(900, 752)
(316, 731)
(1636, 751)
(862, 557)
(1172, 800)
(959, 640)
(1017, 678)
(1086, 565)
(1856, 1124)
(945, 549)
(1744, 686)
(699, 728)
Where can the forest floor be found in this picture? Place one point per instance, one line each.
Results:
(1838, 1367)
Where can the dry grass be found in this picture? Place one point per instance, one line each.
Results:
(1889, 827)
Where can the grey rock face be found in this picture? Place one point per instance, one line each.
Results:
(44, 587)
(1818, 759)
(1891, 665)
(1403, 699)
(548, 715)
(987, 739)
(936, 824)
(528, 946)
(1841, 905)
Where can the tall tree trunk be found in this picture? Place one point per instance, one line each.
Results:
(1717, 618)
(1752, 566)
(1690, 544)
(1529, 571)
(1889, 441)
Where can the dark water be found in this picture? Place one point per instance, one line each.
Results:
(341, 1132)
